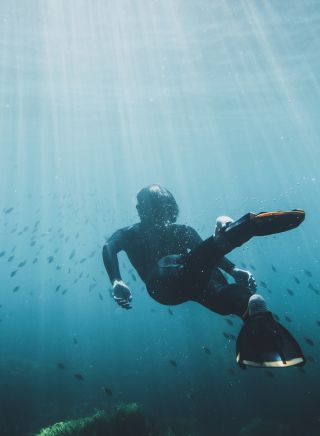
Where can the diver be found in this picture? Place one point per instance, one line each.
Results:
(176, 266)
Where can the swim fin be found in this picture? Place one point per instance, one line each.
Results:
(261, 224)
(263, 342)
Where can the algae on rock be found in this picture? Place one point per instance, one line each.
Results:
(127, 420)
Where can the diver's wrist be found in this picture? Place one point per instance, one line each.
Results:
(117, 282)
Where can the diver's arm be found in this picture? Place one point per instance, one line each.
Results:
(242, 277)
(121, 292)
(111, 263)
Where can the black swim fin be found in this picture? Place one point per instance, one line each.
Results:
(261, 224)
(263, 342)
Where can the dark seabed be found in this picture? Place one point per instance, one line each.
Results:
(217, 101)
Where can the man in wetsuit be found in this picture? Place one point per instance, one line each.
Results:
(177, 266)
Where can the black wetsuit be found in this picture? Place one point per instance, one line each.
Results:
(177, 266)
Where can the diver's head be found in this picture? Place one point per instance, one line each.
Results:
(156, 206)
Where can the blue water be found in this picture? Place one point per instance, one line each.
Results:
(219, 102)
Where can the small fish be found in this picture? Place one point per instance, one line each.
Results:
(64, 291)
(206, 350)
(16, 289)
(170, 311)
(21, 264)
(288, 319)
(35, 260)
(296, 280)
(83, 260)
(309, 341)
(134, 278)
(310, 286)
(290, 291)
(75, 340)
(100, 296)
(10, 258)
(307, 273)
(2, 253)
(71, 256)
(318, 322)
(173, 363)
(263, 284)
(6, 211)
(269, 373)
(78, 377)
(13, 273)
(274, 269)
(60, 365)
(50, 259)
(107, 391)
(229, 321)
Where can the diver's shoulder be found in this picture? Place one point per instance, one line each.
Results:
(133, 228)
(183, 228)
(125, 230)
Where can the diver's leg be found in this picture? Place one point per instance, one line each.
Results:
(262, 224)
(226, 300)
(200, 261)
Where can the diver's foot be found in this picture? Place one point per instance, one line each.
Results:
(256, 304)
(261, 224)
(222, 222)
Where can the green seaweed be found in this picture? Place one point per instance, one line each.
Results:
(127, 420)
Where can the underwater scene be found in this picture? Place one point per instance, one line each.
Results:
(205, 108)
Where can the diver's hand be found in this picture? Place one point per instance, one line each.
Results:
(244, 278)
(121, 294)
